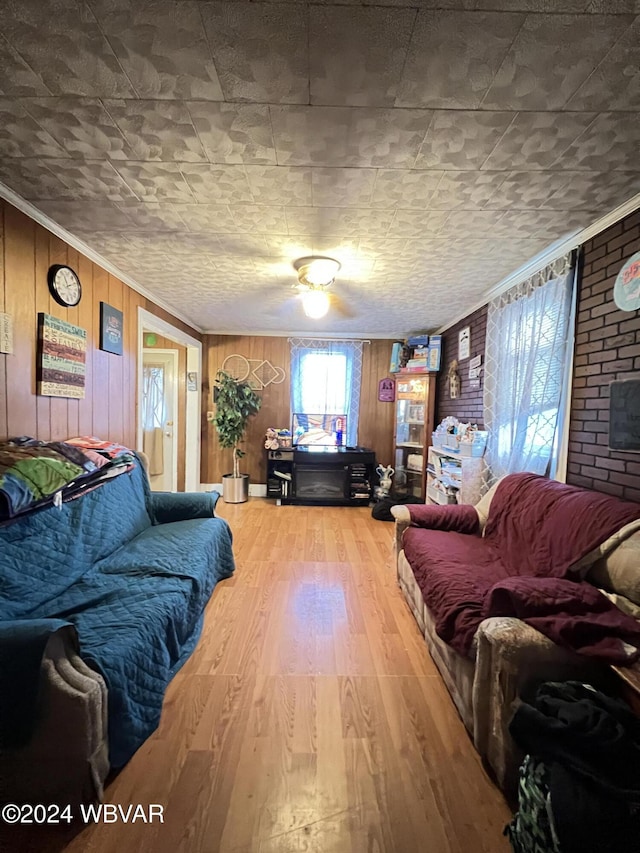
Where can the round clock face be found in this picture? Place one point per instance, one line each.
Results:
(64, 285)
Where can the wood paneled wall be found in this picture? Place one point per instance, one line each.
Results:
(108, 409)
(376, 419)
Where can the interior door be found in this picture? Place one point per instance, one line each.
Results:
(159, 416)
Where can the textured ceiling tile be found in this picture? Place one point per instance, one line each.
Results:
(391, 247)
(280, 184)
(234, 133)
(186, 243)
(32, 179)
(550, 58)
(260, 51)
(240, 246)
(614, 6)
(22, 136)
(212, 218)
(259, 219)
(611, 142)
(461, 139)
(404, 188)
(90, 179)
(596, 191)
(417, 223)
(548, 224)
(338, 221)
(453, 57)
(81, 126)
(356, 55)
(77, 60)
(157, 130)
(469, 190)
(16, 78)
(342, 187)
(105, 242)
(615, 83)
(217, 184)
(156, 181)
(536, 140)
(161, 46)
(147, 216)
(85, 215)
(347, 136)
(525, 190)
(480, 223)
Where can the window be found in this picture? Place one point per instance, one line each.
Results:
(325, 379)
(526, 366)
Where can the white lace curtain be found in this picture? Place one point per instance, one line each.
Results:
(325, 379)
(527, 370)
(153, 416)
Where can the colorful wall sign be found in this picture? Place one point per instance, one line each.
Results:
(626, 290)
(61, 358)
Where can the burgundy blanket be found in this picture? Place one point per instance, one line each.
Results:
(536, 528)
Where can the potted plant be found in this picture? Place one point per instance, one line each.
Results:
(235, 403)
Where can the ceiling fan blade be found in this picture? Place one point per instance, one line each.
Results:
(341, 306)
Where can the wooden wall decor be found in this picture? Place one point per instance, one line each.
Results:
(62, 351)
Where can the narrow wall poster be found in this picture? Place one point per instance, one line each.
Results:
(62, 350)
(111, 327)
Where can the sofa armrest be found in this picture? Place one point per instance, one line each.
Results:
(402, 520)
(512, 659)
(461, 518)
(181, 506)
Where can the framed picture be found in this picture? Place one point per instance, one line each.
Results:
(192, 380)
(62, 350)
(111, 329)
(464, 343)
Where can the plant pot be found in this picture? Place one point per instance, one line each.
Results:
(235, 490)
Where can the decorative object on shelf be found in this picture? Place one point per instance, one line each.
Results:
(396, 348)
(433, 356)
(6, 333)
(64, 285)
(235, 403)
(111, 329)
(626, 290)
(256, 372)
(624, 415)
(276, 438)
(62, 350)
(192, 380)
(386, 391)
(453, 378)
(464, 343)
(385, 473)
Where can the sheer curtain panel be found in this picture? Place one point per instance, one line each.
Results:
(528, 332)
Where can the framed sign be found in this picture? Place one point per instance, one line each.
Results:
(111, 328)
(62, 351)
(464, 343)
(386, 390)
(624, 415)
(626, 290)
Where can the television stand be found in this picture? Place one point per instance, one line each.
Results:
(322, 476)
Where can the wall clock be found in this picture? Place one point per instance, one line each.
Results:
(64, 285)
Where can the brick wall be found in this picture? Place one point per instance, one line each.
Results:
(468, 406)
(607, 348)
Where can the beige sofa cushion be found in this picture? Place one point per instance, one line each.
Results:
(619, 571)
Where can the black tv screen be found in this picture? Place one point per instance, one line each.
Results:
(323, 430)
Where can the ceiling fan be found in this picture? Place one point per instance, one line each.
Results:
(316, 274)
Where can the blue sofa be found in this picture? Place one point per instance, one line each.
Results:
(103, 595)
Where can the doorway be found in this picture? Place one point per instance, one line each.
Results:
(179, 451)
(160, 417)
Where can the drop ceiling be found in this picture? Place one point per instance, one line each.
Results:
(201, 147)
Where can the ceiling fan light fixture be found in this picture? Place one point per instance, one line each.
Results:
(316, 271)
(315, 303)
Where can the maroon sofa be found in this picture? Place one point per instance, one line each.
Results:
(484, 582)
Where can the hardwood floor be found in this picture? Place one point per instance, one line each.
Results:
(310, 717)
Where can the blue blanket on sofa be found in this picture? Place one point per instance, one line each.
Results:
(131, 571)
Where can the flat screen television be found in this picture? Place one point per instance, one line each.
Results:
(319, 430)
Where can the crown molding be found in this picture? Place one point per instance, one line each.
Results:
(329, 336)
(551, 253)
(42, 219)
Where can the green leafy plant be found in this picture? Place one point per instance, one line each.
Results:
(235, 403)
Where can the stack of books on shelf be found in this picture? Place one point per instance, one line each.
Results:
(418, 362)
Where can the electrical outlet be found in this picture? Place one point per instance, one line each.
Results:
(209, 416)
